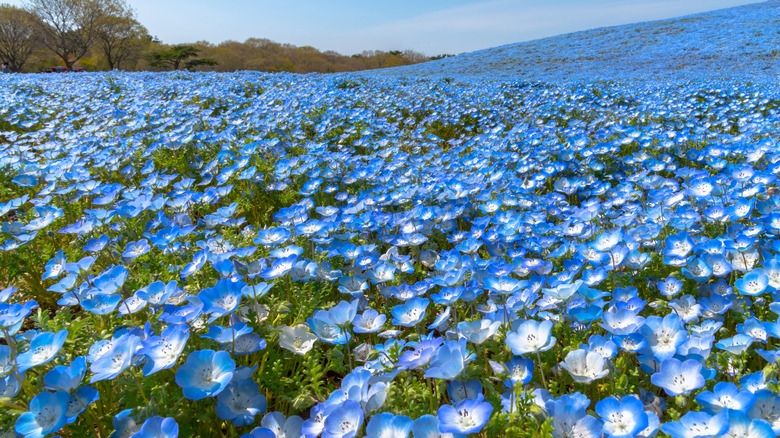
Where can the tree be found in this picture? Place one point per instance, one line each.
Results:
(17, 36)
(174, 56)
(69, 28)
(120, 36)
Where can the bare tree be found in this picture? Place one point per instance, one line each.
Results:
(17, 36)
(121, 36)
(69, 28)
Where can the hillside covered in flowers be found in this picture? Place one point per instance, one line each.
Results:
(389, 255)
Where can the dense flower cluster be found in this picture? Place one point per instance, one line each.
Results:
(302, 256)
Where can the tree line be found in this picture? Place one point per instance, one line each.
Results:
(106, 34)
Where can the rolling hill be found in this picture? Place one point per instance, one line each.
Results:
(735, 43)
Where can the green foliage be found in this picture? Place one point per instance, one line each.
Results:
(173, 57)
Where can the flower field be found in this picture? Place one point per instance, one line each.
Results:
(252, 255)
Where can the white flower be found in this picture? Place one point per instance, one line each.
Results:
(297, 339)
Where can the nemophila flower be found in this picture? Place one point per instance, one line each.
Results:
(698, 425)
(181, 314)
(670, 287)
(605, 347)
(101, 304)
(449, 361)
(389, 425)
(96, 245)
(136, 249)
(698, 270)
(687, 308)
(621, 322)
(518, 370)
(46, 415)
(427, 426)
(222, 299)
(459, 390)
(158, 427)
(205, 373)
(736, 344)
(677, 377)
(240, 401)
(297, 339)
(259, 432)
(79, 401)
(421, 355)
(411, 312)
(448, 295)
(766, 407)
(623, 418)
(163, 351)
(585, 366)
(158, 293)
(570, 418)
(468, 416)
(531, 337)
(66, 378)
(742, 426)
(279, 267)
(114, 357)
(478, 331)
(726, 395)
(663, 336)
(198, 260)
(753, 283)
(504, 285)
(55, 266)
(43, 348)
(369, 322)
(289, 427)
(344, 421)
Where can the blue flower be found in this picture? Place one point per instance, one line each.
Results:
(753, 283)
(389, 425)
(55, 266)
(281, 426)
(46, 415)
(115, 357)
(222, 299)
(43, 348)
(531, 337)
(136, 249)
(726, 395)
(570, 418)
(459, 390)
(585, 366)
(344, 421)
(240, 401)
(411, 312)
(421, 355)
(206, 373)
(427, 426)
(663, 336)
(468, 416)
(449, 361)
(677, 377)
(158, 427)
(66, 378)
(624, 418)
(369, 322)
(163, 351)
(698, 425)
(740, 425)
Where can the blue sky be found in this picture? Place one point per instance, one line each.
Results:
(428, 26)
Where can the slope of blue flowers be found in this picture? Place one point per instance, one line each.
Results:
(395, 255)
(737, 43)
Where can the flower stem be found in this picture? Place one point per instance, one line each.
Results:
(541, 370)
